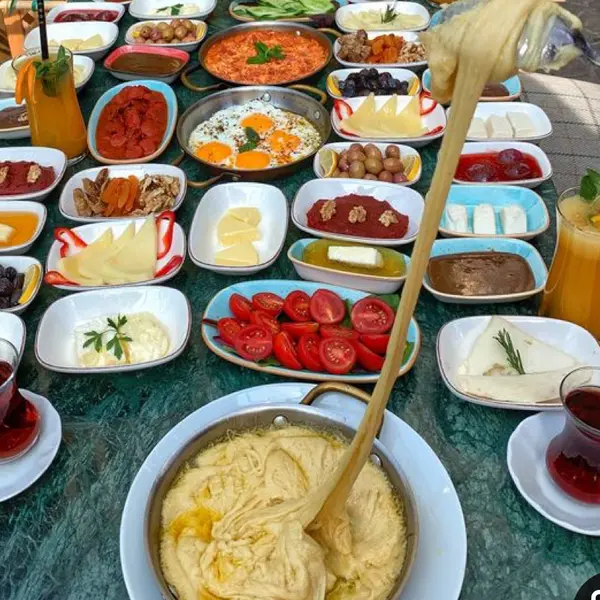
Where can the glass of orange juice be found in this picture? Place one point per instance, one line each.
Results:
(572, 291)
(53, 110)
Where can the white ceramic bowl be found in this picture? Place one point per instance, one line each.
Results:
(45, 157)
(66, 204)
(433, 120)
(144, 9)
(525, 147)
(414, 83)
(55, 338)
(70, 6)
(14, 133)
(12, 329)
(20, 263)
(92, 231)
(456, 338)
(401, 8)
(374, 284)
(58, 32)
(403, 199)
(539, 119)
(186, 46)
(341, 146)
(28, 207)
(409, 36)
(270, 201)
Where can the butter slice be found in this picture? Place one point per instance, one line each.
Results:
(240, 255)
(6, 232)
(499, 128)
(477, 129)
(245, 214)
(231, 231)
(356, 256)
(521, 123)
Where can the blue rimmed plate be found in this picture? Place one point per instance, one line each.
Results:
(218, 308)
(490, 244)
(157, 86)
(498, 196)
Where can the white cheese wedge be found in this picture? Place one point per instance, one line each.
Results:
(484, 220)
(499, 128)
(231, 231)
(240, 255)
(513, 219)
(477, 129)
(456, 218)
(6, 232)
(246, 214)
(356, 256)
(522, 125)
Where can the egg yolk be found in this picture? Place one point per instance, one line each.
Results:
(213, 152)
(257, 121)
(253, 159)
(282, 142)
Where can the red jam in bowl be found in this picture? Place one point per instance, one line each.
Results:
(497, 167)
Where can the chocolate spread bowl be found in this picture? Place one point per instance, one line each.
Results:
(266, 416)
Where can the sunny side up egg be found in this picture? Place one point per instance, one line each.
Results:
(255, 135)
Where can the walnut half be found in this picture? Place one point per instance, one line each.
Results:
(357, 215)
(34, 173)
(387, 217)
(327, 210)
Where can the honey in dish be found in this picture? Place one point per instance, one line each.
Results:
(24, 225)
(316, 254)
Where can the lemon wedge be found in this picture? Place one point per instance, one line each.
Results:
(412, 164)
(30, 281)
(328, 161)
(333, 85)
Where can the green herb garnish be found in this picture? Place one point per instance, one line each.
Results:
(264, 54)
(589, 188)
(389, 15)
(513, 356)
(52, 71)
(114, 344)
(252, 140)
(173, 10)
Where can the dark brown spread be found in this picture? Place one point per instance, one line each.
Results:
(146, 64)
(13, 116)
(480, 274)
(495, 90)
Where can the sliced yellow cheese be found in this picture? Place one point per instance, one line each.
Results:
(409, 123)
(92, 257)
(240, 255)
(246, 214)
(136, 259)
(69, 267)
(230, 231)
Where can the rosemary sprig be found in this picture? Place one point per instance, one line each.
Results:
(389, 15)
(115, 343)
(513, 356)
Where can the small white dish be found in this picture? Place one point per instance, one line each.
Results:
(403, 199)
(186, 46)
(401, 8)
(19, 474)
(12, 329)
(409, 36)
(333, 79)
(28, 207)
(144, 9)
(456, 338)
(84, 6)
(55, 337)
(526, 459)
(58, 32)
(405, 151)
(14, 133)
(374, 284)
(45, 157)
(539, 119)
(439, 567)
(203, 241)
(20, 263)
(92, 231)
(66, 203)
(433, 121)
(525, 147)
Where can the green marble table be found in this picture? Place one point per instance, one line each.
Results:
(60, 538)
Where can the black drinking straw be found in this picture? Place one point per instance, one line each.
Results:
(42, 25)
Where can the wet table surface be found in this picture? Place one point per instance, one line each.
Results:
(60, 538)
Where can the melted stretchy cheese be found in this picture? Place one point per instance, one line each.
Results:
(229, 526)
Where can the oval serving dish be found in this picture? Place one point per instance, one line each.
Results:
(401, 8)
(201, 26)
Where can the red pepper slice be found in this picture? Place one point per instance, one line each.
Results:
(435, 130)
(170, 266)
(55, 278)
(165, 243)
(342, 109)
(348, 133)
(427, 104)
(68, 239)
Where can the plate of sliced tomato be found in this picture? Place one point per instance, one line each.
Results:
(305, 330)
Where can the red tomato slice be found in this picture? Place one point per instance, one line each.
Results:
(367, 359)
(335, 331)
(376, 342)
(337, 355)
(372, 315)
(228, 330)
(254, 342)
(270, 303)
(296, 306)
(285, 353)
(327, 308)
(308, 352)
(297, 330)
(260, 317)
(240, 307)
